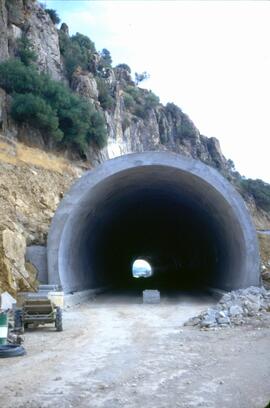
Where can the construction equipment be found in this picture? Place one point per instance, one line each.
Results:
(39, 308)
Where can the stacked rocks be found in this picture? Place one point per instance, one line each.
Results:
(234, 308)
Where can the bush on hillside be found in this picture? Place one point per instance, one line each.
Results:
(77, 51)
(51, 107)
(124, 66)
(32, 109)
(151, 100)
(125, 123)
(84, 42)
(53, 15)
(129, 102)
(19, 78)
(106, 59)
(139, 102)
(259, 190)
(187, 128)
(173, 109)
(25, 51)
(134, 92)
(106, 100)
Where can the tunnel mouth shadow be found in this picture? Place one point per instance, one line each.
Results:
(178, 214)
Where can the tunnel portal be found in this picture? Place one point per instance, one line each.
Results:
(178, 214)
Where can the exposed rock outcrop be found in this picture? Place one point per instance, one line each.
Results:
(27, 17)
(264, 240)
(44, 37)
(14, 275)
(32, 184)
(85, 85)
(3, 32)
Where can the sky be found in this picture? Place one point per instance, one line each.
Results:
(211, 58)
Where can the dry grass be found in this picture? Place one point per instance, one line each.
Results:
(21, 155)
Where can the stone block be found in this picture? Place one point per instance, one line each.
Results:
(151, 296)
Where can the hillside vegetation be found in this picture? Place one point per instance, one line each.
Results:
(49, 105)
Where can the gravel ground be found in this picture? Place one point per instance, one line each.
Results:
(117, 352)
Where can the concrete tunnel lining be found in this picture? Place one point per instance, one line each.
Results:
(176, 212)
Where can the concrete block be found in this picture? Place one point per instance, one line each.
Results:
(151, 296)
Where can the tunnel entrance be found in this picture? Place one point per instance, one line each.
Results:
(177, 213)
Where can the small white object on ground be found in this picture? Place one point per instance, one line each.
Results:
(6, 301)
(151, 296)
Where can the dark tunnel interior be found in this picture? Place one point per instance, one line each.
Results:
(176, 221)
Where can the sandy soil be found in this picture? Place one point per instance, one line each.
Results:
(116, 352)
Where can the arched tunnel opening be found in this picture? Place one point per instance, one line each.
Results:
(178, 214)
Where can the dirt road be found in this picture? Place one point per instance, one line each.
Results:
(116, 352)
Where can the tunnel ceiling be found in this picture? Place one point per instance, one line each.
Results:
(177, 213)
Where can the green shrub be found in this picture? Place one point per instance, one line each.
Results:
(259, 190)
(139, 102)
(84, 42)
(125, 123)
(187, 128)
(106, 59)
(124, 66)
(53, 15)
(151, 100)
(77, 51)
(134, 92)
(129, 101)
(25, 51)
(173, 109)
(16, 77)
(33, 109)
(140, 111)
(51, 107)
(97, 132)
(64, 42)
(106, 100)
(74, 59)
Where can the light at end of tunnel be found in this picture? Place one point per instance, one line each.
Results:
(141, 269)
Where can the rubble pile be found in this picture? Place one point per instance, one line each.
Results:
(234, 308)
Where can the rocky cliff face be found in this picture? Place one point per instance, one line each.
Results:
(26, 17)
(127, 133)
(32, 183)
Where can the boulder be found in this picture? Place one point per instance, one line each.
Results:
(85, 84)
(13, 274)
(44, 37)
(236, 310)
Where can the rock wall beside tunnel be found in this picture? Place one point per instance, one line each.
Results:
(32, 183)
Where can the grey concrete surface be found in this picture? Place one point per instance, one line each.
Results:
(177, 213)
(78, 298)
(37, 255)
(151, 296)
